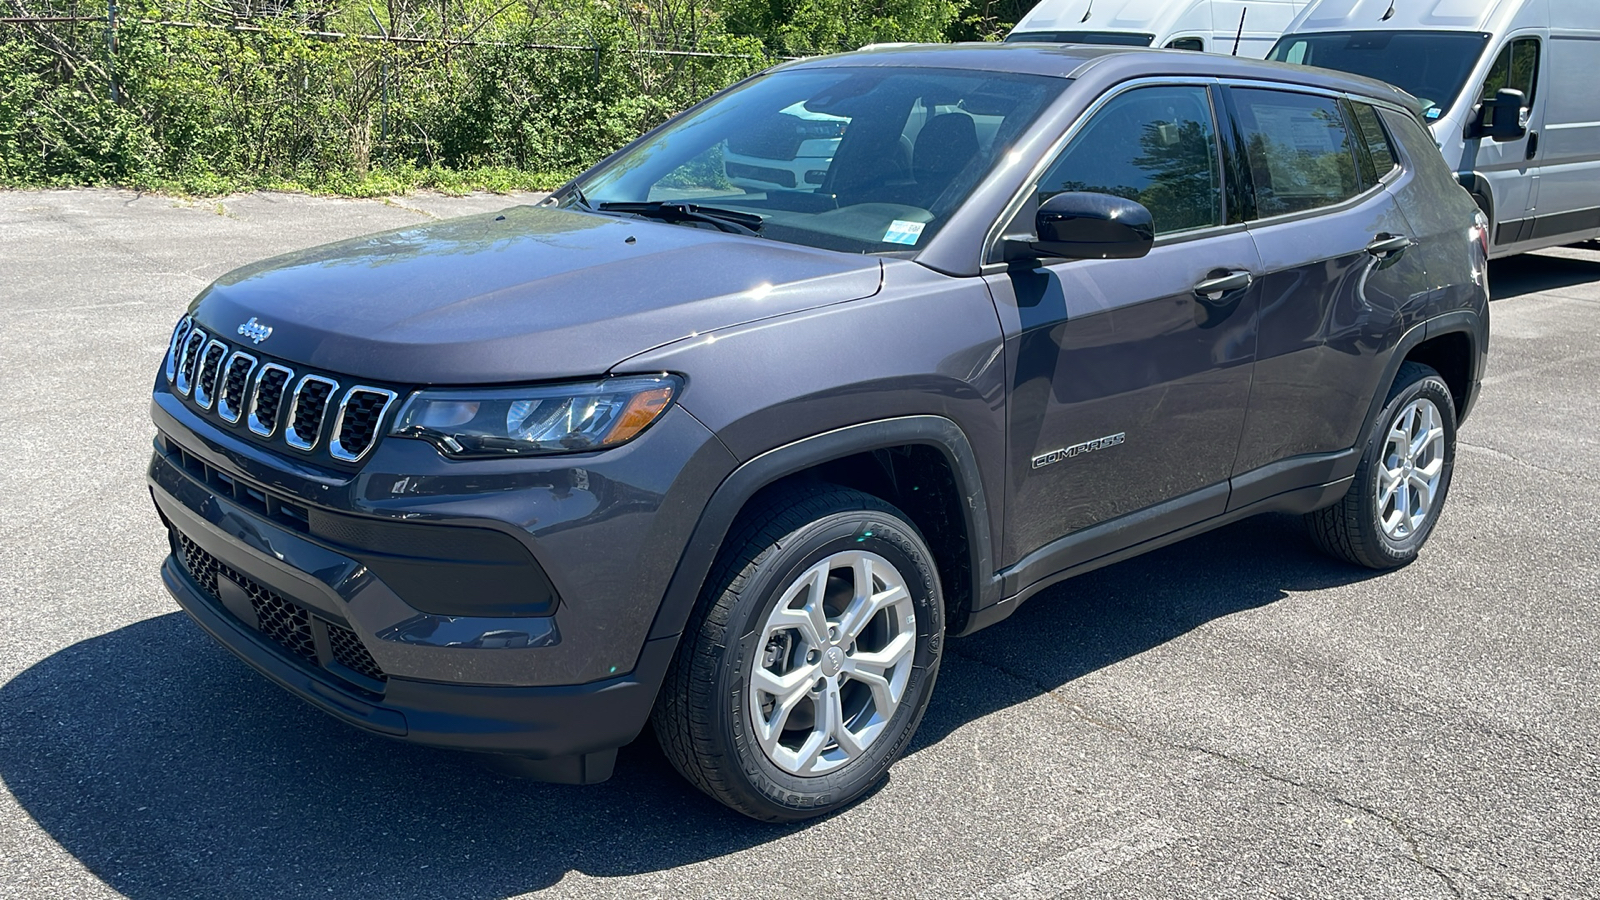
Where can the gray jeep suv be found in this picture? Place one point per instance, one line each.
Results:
(738, 460)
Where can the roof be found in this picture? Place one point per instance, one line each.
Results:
(1107, 63)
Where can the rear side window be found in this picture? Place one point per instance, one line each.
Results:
(1154, 145)
(1376, 141)
(1298, 149)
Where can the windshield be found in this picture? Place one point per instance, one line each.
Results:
(1429, 65)
(861, 160)
(1119, 38)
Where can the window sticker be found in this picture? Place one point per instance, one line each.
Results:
(1433, 113)
(903, 232)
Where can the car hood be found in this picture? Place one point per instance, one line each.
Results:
(527, 294)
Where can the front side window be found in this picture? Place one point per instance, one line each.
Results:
(1516, 68)
(1430, 65)
(1298, 150)
(1154, 145)
(861, 160)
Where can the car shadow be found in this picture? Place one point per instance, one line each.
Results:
(1103, 617)
(1530, 273)
(169, 769)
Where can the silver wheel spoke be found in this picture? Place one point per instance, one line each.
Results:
(786, 691)
(868, 601)
(1388, 481)
(876, 670)
(851, 744)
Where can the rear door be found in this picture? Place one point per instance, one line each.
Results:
(1341, 281)
(1127, 386)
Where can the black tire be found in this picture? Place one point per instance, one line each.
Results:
(1351, 529)
(701, 719)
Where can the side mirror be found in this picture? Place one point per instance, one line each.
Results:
(1505, 118)
(1077, 225)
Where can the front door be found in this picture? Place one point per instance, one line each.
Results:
(1511, 168)
(1129, 378)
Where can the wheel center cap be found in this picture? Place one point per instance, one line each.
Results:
(832, 661)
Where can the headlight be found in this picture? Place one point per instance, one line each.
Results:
(558, 418)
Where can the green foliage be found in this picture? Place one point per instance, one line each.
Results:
(489, 95)
(987, 20)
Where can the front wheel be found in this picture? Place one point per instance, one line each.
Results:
(1402, 480)
(810, 659)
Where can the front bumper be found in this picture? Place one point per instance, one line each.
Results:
(573, 730)
(307, 578)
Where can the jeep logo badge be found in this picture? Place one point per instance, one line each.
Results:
(255, 331)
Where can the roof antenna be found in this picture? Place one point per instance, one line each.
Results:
(1240, 35)
(1087, 13)
(1388, 15)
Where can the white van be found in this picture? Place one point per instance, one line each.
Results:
(1238, 27)
(1511, 89)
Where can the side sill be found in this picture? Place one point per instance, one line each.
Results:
(1303, 500)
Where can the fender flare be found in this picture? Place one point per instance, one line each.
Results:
(683, 590)
(1462, 321)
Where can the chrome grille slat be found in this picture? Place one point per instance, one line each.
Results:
(233, 385)
(207, 371)
(355, 428)
(307, 410)
(179, 335)
(190, 359)
(266, 398)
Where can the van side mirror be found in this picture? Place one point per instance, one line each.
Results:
(1505, 118)
(1082, 225)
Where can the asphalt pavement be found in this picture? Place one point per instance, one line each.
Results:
(1233, 716)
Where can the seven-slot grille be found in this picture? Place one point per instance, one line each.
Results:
(272, 400)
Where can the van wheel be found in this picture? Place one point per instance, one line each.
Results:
(1403, 478)
(810, 658)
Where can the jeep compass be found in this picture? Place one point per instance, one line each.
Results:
(734, 452)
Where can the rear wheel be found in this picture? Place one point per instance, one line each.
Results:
(810, 660)
(1402, 480)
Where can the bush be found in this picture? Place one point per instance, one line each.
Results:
(276, 94)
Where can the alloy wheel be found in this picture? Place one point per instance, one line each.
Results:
(1411, 468)
(836, 654)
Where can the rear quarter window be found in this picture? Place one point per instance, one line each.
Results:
(1375, 140)
(1298, 148)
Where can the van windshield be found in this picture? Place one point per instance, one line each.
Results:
(1430, 65)
(1119, 38)
(863, 160)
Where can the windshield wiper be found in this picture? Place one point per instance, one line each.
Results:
(728, 220)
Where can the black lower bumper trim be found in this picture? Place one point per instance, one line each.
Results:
(533, 722)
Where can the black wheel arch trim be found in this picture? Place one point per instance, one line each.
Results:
(1461, 321)
(942, 434)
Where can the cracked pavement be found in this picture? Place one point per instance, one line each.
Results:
(1232, 716)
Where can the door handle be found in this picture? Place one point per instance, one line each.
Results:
(1214, 288)
(1533, 145)
(1388, 244)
